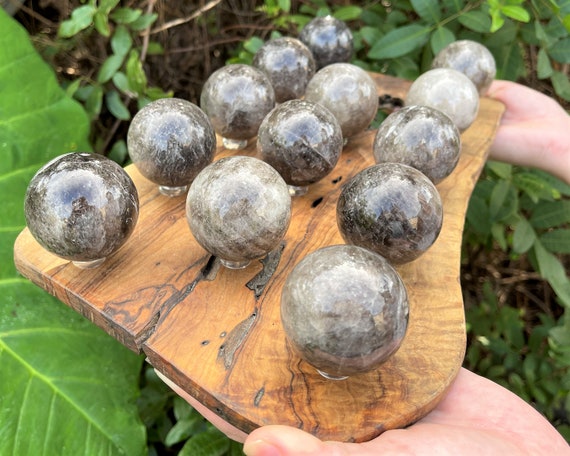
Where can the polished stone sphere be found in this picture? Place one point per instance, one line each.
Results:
(348, 92)
(344, 310)
(81, 207)
(288, 64)
(472, 59)
(170, 141)
(448, 90)
(238, 209)
(391, 209)
(237, 98)
(329, 39)
(302, 140)
(422, 137)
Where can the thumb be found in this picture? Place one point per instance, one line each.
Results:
(276, 440)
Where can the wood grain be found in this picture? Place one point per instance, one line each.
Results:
(217, 332)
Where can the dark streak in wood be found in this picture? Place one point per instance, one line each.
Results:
(235, 339)
(259, 396)
(270, 262)
(316, 202)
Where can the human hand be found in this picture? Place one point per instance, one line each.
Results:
(475, 417)
(534, 130)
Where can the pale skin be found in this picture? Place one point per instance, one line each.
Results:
(476, 416)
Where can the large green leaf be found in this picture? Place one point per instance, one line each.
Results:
(399, 42)
(66, 387)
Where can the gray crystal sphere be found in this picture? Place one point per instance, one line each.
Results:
(288, 64)
(81, 207)
(329, 39)
(344, 310)
(236, 98)
(170, 141)
(238, 209)
(422, 137)
(448, 90)
(472, 59)
(391, 209)
(348, 92)
(302, 140)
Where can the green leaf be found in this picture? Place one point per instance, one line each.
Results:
(110, 67)
(143, 22)
(551, 214)
(67, 388)
(524, 236)
(116, 105)
(560, 50)
(510, 61)
(440, 38)
(209, 443)
(476, 20)
(543, 66)
(428, 10)
(81, 18)
(556, 241)
(121, 42)
(561, 84)
(399, 42)
(135, 73)
(498, 198)
(348, 13)
(125, 15)
(101, 22)
(253, 44)
(518, 13)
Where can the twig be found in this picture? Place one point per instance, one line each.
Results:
(146, 34)
(208, 6)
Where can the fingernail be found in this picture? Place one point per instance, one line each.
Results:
(260, 448)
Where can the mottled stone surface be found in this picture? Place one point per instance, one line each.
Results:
(344, 309)
(329, 39)
(236, 98)
(170, 141)
(348, 92)
(288, 64)
(422, 137)
(392, 209)
(238, 208)
(302, 140)
(472, 59)
(81, 207)
(448, 90)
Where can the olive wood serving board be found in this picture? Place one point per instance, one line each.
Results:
(217, 332)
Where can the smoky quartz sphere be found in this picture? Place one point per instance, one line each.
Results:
(344, 310)
(288, 64)
(422, 137)
(348, 92)
(329, 39)
(302, 140)
(448, 90)
(472, 59)
(170, 141)
(391, 209)
(81, 207)
(238, 209)
(236, 98)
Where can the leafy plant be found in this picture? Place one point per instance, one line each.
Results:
(524, 212)
(66, 386)
(120, 78)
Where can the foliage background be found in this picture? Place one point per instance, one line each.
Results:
(102, 60)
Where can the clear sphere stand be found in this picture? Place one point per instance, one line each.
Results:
(172, 191)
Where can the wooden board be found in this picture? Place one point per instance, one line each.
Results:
(217, 332)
